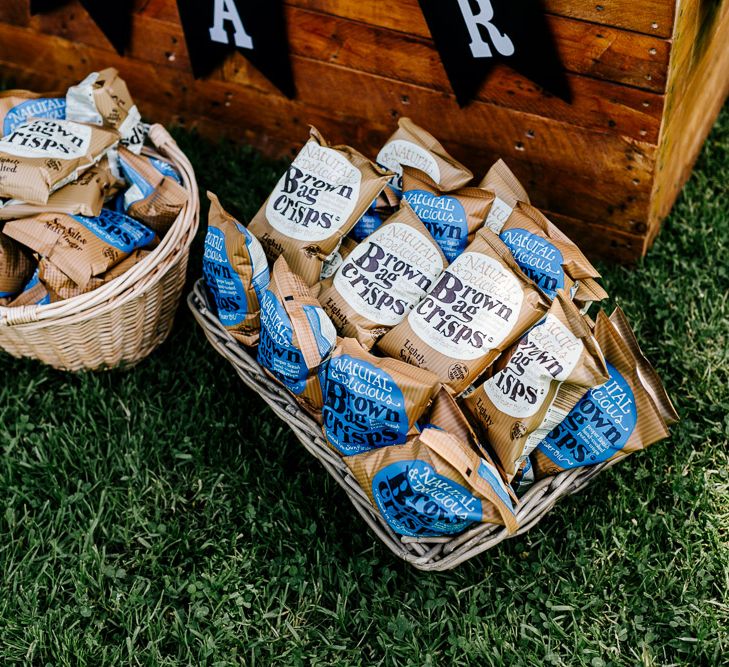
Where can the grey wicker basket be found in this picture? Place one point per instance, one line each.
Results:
(429, 553)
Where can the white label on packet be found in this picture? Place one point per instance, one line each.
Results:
(399, 152)
(389, 272)
(59, 139)
(133, 131)
(316, 196)
(548, 353)
(80, 105)
(471, 309)
(498, 215)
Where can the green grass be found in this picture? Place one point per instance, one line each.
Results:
(163, 516)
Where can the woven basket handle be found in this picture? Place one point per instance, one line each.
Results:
(160, 137)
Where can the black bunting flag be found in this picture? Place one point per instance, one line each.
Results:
(473, 35)
(257, 30)
(114, 17)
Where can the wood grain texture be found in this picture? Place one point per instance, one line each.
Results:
(699, 84)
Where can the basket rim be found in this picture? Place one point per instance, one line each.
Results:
(140, 277)
(427, 554)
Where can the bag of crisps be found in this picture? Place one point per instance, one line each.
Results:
(335, 260)
(382, 208)
(297, 337)
(103, 98)
(236, 273)
(548, 257)
(82, 247)
(41, 156)
(412, 146)
(615, 419)
(84, 196)
(19, 106)
(59, 284)
(156, 196)
(433, 486)
(452, 217)
(16, 268)
(371, 402)
(524, 478)
(508, 193)
(536, 384)
(383, 278)
(34, 293)
(480, 306)
(315, 204)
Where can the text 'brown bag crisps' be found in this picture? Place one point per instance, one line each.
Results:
(435, 485)
(370, 402)
(452, 217)
(383, 278)
(316, 202)
(612, 420)
(481, 304)
(41, 156)
(537, 384)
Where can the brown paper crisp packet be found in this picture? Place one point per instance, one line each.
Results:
(84, 196)
(508, 193)
(383, 278)
(19, 106)
(58, 283)
(35, 293)
(103, 98)
(612, 420)
(452, 217)
(412, 146)
(540, 380)
(315, 204)
(435, 485)
(547, 256)
(41, 156)
(297, 337)
(480, 306)
(16, 268)
(236, 273)
(334, 261)
(446, 414)
(154, 198)
(81, 247)
(371, 402)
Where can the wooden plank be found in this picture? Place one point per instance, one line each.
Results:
(405, 15)
(622, 167)
(699, 84)
(596, 105)
(588, 49)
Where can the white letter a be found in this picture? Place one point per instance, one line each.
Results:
(479, 48)
(225, 10)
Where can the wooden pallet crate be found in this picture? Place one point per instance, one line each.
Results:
(648, 80)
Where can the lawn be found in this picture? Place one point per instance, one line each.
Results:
(163, 516)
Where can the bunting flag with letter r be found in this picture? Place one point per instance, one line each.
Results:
(473, 35)
(257, 30)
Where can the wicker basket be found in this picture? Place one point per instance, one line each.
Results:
(123, 321)
(429, 553)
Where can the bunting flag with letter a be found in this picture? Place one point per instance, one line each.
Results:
(257, 30)
(473, 35)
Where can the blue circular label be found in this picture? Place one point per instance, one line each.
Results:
(42, 107)
(276, 351)
(363, 406)
(537, 258)
(445, 219)
(416, 501)
(596, 428)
